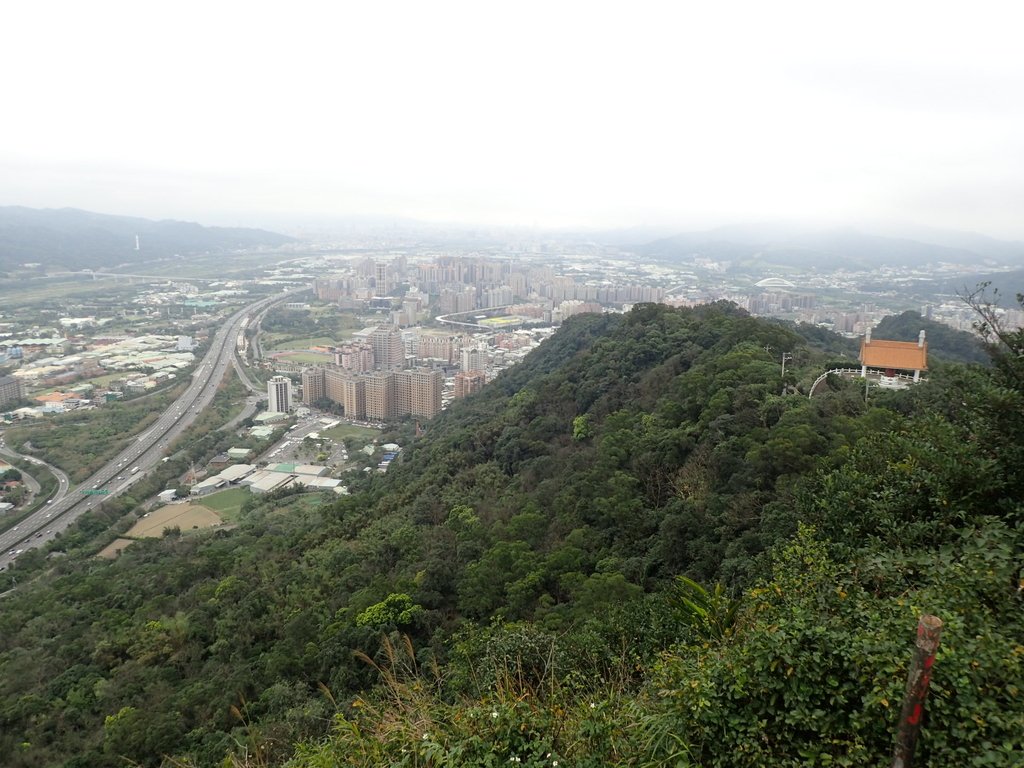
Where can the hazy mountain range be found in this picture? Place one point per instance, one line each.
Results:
(77, 239)
(783, 245)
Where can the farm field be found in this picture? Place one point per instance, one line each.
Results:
(183, 516)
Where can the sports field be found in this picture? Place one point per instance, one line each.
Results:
(342, 431)
(505, 321)
(276, 342)
(313, 358)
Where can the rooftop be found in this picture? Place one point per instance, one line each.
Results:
(902, 355)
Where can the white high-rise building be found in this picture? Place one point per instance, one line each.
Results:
(474, 358)
(279, 394)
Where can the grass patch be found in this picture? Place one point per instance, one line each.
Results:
(18, 293)
(305, 357)
(302, 502)
(284, 343)
(340, 432)
(227, 503)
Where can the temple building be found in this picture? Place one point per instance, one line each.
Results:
(894, 357)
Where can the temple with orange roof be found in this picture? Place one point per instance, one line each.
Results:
(892, 357)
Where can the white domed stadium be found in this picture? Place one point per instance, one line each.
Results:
(774, 282)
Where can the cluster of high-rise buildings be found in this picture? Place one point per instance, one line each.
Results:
(778, 302)
(377, 395)
(381, 376)
(369, 380)
(467, 283)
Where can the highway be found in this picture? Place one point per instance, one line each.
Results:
(145, 451)
(63, 483)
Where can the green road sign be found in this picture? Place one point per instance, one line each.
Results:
(95, 492)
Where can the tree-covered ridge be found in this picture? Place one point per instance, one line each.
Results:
(944, 343)
(921, 514)
(528, 549)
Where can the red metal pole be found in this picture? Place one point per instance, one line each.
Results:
(918, 677)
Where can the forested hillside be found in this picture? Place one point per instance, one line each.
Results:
(944, 343)
(629, 550)
(74, 239)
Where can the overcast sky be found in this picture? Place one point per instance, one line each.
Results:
(541, 114)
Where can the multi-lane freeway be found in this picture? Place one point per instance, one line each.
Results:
(147, 449)
(63, 482)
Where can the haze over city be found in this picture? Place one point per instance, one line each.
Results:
(536, 115)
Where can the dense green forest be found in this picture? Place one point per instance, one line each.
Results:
(631, 549)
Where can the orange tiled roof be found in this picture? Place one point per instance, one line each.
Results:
(902, 355)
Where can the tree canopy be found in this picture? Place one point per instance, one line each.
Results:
(631, 549)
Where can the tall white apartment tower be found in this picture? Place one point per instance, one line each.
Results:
(279, 394)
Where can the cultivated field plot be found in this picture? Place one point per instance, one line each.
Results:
(227, 504)
(184, 516)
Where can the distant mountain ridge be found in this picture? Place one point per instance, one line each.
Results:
(833, 248)
(77, 239)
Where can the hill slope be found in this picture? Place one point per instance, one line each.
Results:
(76, 239)
(513, 580)
(944, 343)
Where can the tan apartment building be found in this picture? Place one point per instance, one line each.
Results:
(313, 385)
(424, 392)
(468, 382)
(380, 395)
(388, 350)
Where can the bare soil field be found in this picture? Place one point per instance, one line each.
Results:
(113, 549)
(184, 516)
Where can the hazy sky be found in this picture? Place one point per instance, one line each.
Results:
(549, 113)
